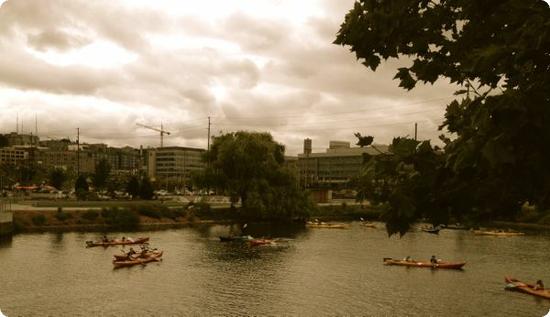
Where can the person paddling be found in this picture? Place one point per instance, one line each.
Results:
(539, 285)
(434, 261)
(130, 253)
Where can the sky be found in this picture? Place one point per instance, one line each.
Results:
(105, 66)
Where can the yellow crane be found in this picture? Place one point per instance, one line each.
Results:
(161, 130)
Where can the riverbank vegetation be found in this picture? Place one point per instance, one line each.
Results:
(495, 153)
(155, 215)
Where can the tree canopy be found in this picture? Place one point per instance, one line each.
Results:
(132, 187)
(146, 190)
(498, 52)
(102, 172)
(81, 187)
(57, 177)
(249, 166)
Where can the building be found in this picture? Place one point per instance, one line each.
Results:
(337, 165)
(17, 139)
(174, 163)
(13, 155)
(85, 157)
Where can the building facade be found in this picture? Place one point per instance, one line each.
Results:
(174, 163)
(13, 156)
(122, 160)
(339, 164)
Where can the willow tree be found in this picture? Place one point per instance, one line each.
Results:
(499, 53)
(249, 167)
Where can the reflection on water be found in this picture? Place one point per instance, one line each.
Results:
(316, 272)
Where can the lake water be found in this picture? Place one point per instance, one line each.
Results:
(320, 272)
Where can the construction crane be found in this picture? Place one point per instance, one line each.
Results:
(161, 130)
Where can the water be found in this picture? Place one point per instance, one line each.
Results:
(321, 272)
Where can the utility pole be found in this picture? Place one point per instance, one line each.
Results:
(415, 130)
(77, 152)
(208, 146)
(161, 136)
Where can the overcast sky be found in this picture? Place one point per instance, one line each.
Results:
(261, 65)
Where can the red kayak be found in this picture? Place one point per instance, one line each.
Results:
(142, 254)
(90, 244)
(154, 256)
(516, 285)
(257, 242)
(428, 264)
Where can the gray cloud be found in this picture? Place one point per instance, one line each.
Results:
(278, 75)
(56, 39)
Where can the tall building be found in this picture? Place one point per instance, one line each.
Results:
(174, 163)
(337, 165)
(18, 139)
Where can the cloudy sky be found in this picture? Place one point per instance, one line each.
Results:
(261, 65)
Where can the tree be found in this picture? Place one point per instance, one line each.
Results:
(249, 166)
(81, 187)
(57, 177)
(497, 51)
(133, 187)
(102, 172)
(146, 190)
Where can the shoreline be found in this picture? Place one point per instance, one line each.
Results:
(75, 220)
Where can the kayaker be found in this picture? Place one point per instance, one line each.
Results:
(131, 252)
(433, 260)
(539, 285)
(104, 239)
(408, 258)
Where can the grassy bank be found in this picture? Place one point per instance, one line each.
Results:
(156, 215)
(129, 217)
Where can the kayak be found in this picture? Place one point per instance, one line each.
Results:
(368, 224)
(428, 264)
(235, 238)
(257, 242)
(124, 257)
(518, 286)
(432, 231)
(326, 225)
(456, 227)
(155, 256)
(90, 244)
(498, 233)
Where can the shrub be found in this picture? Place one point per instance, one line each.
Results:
(545, 220)
(121, 218)
(18, 225)
(108, 212)
(62, 216)
(173, 213)
(149, 211)
(90, 215)
(39, 220)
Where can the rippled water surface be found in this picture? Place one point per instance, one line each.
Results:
(319, 272)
